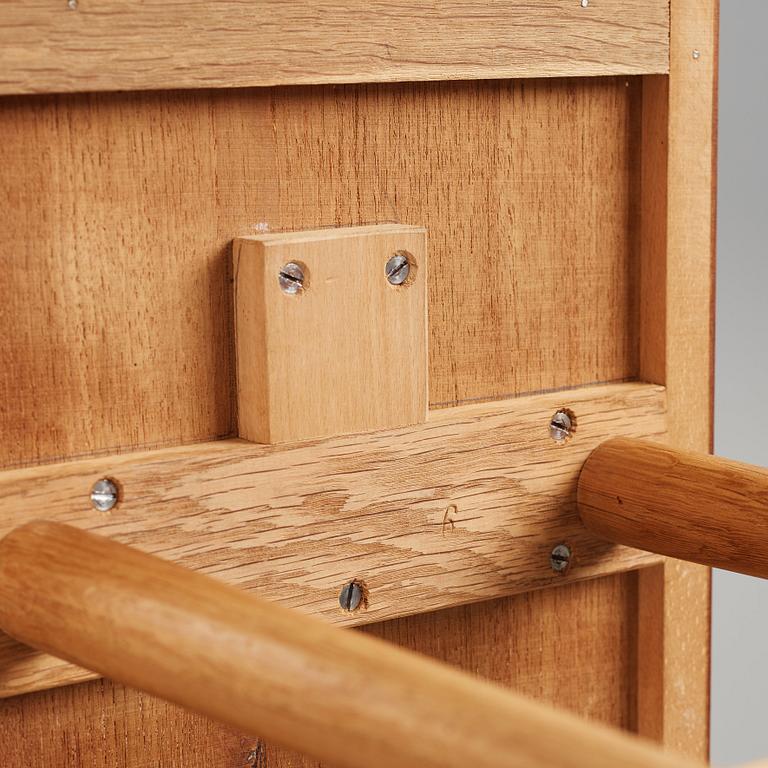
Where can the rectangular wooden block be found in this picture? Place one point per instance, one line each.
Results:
(340, 349)
(464, 508)
(95, 45)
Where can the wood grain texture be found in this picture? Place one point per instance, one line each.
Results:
(339, 696)
(464, 508)
(348, 352)
(102, 725)
(107, 45)
(528, 642)
(676, 330)
(686, 505)
(119, 212)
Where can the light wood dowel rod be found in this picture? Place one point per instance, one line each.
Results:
(685, 505)
(331, 693)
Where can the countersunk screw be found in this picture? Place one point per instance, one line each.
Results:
(696, 53)
(351, 596)
(72, 5)
(291, 278)
(398, 268)
(560, 558)
(584, 3)
(104, 495)
(560, 426)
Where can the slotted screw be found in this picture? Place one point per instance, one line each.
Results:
(560, 558)
(104, 495)
(291, 278)
(398, 268)
(560, 427)
(351, 596)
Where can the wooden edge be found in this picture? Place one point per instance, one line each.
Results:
(464, 508)
(51, 46)
(678, 255)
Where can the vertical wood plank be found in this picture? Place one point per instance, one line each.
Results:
(677, 319)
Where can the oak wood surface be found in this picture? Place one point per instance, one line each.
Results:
(119, 210)
(686, 505)
(677, 348)
(348, 352)
(464, 508)
(48, 46)
(528, 642)
(505, 176)
(335, 695)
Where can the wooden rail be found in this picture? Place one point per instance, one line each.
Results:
(328, 692)
(98, 45)
(464, 508)
(685, 505)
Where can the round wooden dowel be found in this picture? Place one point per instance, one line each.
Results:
(334, 694)
(685, 505)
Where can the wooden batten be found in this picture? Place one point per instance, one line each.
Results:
(107, 45)
(466, 507)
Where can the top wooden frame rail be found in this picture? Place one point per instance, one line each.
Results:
(54, 46)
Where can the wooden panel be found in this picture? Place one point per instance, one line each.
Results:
(119, 210)
(94, 45)
(677, 318)
(545, 644)
(461, 509)
(348, 351)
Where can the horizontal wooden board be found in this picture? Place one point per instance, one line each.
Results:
(119, 211)
(105, 45)
(464, 508)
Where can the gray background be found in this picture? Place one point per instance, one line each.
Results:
(740, 604)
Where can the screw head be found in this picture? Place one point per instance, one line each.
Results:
(104, 495)
(351, 596)
(584, 3)
(560, 426)
(560, 558)
(291, 278)
(72, 5)
(696, 53)
(398, 268)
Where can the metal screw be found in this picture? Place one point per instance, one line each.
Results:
(398, 268)
(351, 596)
(560, 558)
(696, 53)
(584, 3)
(72, 5)
(104, 495)
(560, 427)
(291, 278)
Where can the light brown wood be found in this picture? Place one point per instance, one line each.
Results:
(686, 505)
(133, 198)
(348, 352)
(119, 212)
(548, 644)
(341, 697)
(676, 348)
(45, 46)
(464, 508)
